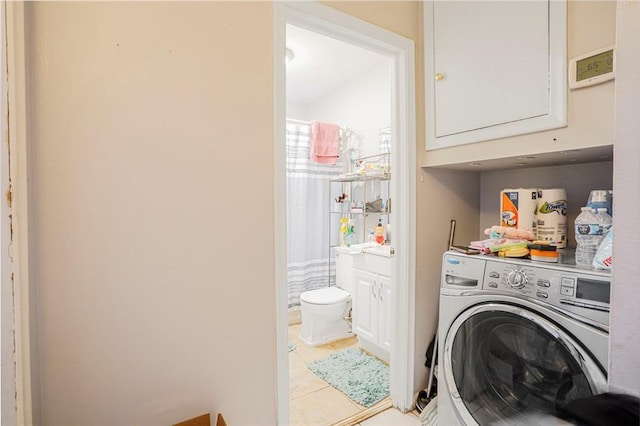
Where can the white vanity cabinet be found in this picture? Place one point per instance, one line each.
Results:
(493, 69)
(372, 301)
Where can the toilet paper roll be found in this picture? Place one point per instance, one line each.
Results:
(518, 208)
(552, 216)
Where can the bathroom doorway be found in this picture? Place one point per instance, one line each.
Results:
(383, 66)
(348, 88)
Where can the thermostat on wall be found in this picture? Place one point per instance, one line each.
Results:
(592, 68)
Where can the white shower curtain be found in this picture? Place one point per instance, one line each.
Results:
(309, 260)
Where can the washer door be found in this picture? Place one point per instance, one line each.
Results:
(503, 360)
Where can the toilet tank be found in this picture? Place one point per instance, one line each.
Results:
(344, 268)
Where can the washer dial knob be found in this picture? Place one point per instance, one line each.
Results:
(517, 279)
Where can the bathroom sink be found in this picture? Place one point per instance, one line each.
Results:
(375, 259)
(355, 248)
(379, 250)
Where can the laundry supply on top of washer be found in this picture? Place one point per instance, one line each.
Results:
(542, 239)
(592, 228)
(518, 208)
(543, 211)
(505, 241)
(601, 198)
(588, 235)
(604, 257)
(551, 216)
(543, 251)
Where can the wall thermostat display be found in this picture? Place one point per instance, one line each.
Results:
(592, 68)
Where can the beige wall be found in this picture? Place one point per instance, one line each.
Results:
(442, 195)
(152, 160)
(151, 138)
(397, 16)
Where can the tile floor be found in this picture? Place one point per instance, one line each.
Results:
(313, 402)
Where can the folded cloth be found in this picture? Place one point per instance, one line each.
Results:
(325, 142)
(498, 244)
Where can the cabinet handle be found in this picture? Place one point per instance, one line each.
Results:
(380, 291)
(439, 76)
(373, 290)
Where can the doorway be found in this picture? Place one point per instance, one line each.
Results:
(399, 52)
(348, 89)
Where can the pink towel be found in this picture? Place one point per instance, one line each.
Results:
(325, 142)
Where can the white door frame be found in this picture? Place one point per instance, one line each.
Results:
(19, 239)
(330, 22)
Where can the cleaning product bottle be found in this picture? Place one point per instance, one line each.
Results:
(379, 237)
(371, 237)
(343, 230)
(350, 237)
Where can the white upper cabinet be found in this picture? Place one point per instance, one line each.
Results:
(493, 69)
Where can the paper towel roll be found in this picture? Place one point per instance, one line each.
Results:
(518, 208)
(552, 216)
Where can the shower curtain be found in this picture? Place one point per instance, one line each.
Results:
(309, 260)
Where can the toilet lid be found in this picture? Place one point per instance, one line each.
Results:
(324, 296)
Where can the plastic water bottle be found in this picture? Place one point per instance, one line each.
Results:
(600, 198)
(604, 220)
(588, 235)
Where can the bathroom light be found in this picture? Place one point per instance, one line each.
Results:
(288, 55)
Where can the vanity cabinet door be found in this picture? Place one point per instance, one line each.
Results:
(491, 69)
(365, 305)
(386, 302)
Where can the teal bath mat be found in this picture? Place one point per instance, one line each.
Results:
(361, 377)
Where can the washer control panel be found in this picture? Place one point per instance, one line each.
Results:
(583, 292)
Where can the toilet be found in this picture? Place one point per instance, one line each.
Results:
(325, 310)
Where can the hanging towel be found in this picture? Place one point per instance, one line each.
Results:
(325, 142)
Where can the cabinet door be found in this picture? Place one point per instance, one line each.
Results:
(386, 302)
(493, 69)
(365, 305)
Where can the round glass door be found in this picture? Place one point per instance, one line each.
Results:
(502, 361)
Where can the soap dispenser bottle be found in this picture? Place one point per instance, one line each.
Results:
(379, 237)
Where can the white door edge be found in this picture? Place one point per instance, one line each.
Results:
(19, 250)
(328, 21)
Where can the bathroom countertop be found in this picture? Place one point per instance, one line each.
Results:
(355, 248)
(379, 250)
(370, 248)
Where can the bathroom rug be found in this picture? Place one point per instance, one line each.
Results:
(361, 377)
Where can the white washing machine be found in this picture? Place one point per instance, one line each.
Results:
(518, 337)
